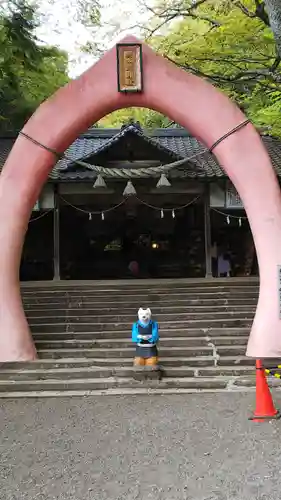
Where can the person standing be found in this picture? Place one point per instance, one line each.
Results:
(224, 266)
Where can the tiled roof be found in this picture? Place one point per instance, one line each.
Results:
(174, 141)
(204, 165)
(126, 131)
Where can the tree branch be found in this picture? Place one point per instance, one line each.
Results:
(168, 14)
(259, 12)
(242, 76)
(273, 8)
(244, 9)
(213, 22)
(275, 64)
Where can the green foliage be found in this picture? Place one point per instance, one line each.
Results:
(146, 117)
(264, 111)
(230, 43)
(29, 72)
(89, 12)
(238, 55)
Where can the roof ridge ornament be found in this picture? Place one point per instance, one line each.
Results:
(129, 189)
(99, 182)
(163, 181)
(132, 125)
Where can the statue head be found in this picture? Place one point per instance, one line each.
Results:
(144, 315)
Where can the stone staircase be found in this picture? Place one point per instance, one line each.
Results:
(82, 333)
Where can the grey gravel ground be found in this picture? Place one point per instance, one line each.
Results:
(197, 447)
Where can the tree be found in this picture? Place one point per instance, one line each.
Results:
(146, 117)
(29, 72)
(236, 44)
(273, 8)
(229, 43)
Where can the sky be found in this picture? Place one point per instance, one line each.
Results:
(62, 28)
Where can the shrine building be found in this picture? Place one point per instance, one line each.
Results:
(106, 207)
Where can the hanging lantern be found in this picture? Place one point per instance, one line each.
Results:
(163, 182)
(129, 189)
(173, 214)
(240, 221)
(99, 182)
(102, 216)
(228, 219)
(90, 216)
(162, 214)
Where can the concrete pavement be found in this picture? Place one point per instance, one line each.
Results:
(172, 447)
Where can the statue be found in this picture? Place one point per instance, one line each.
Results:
(145, 335)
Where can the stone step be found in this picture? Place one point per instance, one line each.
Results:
(126, 343)
(161, 318)
(249, 280)
(112, 382)
(82, 333)
(156, 286)
(141, 301)
(129, 352)
(13, 386)
(134, 305)
(83, 311)
(46, 373)
(143, 294)
(120, 391)
(126, 327)
(177, 361)
(117, 334)
(249, 380)
(125, 291)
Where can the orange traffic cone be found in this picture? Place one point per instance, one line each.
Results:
(265, 409)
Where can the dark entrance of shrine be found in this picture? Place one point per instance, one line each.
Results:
(134, 241)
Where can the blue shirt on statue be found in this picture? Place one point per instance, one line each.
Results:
(149, 330)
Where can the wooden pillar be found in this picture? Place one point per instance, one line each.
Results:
(56, 255)
(207, 232)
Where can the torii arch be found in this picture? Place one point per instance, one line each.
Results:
(195, 104)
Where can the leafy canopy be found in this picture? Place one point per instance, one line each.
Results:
(29, 71)
(230, 43)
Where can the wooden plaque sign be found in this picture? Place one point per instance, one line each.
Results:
(129, 67)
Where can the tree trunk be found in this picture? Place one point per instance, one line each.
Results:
(273, 8)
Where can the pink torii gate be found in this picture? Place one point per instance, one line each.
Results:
(205, 112)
